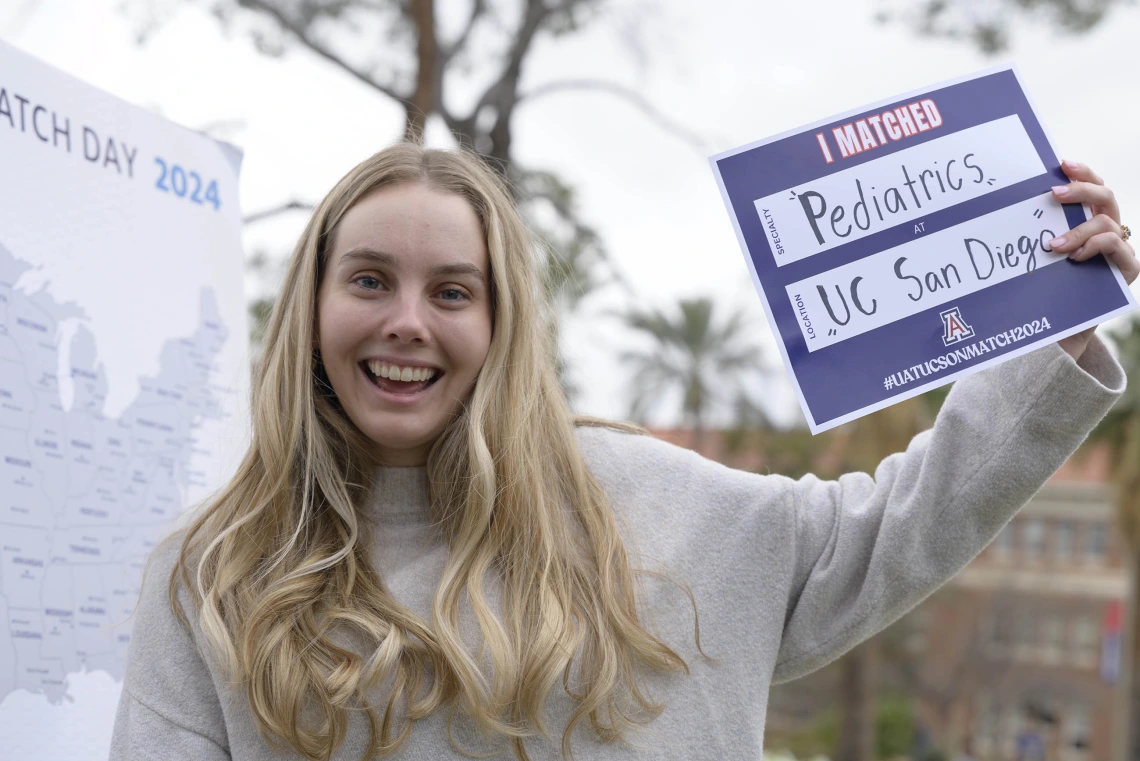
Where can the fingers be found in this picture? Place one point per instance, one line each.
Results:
(1101, 234)
(1102, 199)
(1118, 251)
(1080, 235)
(1079, 172)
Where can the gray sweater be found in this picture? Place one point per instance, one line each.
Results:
(787, 574)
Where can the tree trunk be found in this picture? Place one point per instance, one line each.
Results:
(425, 97)
(857, 691)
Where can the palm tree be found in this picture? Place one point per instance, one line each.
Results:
(692, 354)
(1120, 431)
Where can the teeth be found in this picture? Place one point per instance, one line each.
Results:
(395, 372)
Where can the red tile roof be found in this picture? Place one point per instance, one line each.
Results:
(1089, 465)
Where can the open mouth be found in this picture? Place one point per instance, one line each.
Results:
(388, 377)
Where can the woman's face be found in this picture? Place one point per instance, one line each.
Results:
(404, 315)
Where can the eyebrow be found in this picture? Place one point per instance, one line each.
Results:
(385, 259)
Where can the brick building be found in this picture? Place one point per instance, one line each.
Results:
(1022, 649)
(1019, 656)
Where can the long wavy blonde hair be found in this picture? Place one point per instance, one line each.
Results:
(277, 564)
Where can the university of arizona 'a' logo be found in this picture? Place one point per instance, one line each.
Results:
(954, 328)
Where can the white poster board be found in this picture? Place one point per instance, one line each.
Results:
(124, 383)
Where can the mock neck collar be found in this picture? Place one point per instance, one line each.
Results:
(400, 495)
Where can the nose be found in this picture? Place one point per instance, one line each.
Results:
(405, 321)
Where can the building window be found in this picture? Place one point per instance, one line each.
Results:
(1085, 645)
(1076, 732)
(1003, 545)
(1064, 540)
(1010, 727)
(1096, 546)
(998, 624)
(1052, 639)
(987, 714)
(1033, 538)
(1025, 638)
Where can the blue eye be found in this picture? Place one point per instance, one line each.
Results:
(458, 295)
(367, 282)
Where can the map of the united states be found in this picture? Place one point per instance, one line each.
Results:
(85, 497)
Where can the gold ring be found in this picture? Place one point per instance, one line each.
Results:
(1125, 233)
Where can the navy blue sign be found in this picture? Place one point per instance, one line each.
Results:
(899, 247)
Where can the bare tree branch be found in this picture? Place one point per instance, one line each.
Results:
(317, 25)
(427, 96)
(629, 95)
(579, 251)
(561, 7)
(534, 14)
(447, 52)
(264, 214)
(303, 36)
(405, 8)
(990, 26)
(502, 93)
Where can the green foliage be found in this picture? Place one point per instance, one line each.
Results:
(817, 739)
(1120, 431)
(795, 453)
(691, 353)
(894, 724)
(575, 257)
(894, 728)
(267, 273)
(988, 26)
(259, 311)
(750, 427)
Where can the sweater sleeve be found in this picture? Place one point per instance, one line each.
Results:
(169, 707)
(143, 734)
(869, 549)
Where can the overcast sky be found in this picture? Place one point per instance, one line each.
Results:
(732, 71)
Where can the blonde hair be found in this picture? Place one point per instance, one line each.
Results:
(278, 563)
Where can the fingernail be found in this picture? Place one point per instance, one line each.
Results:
(1076, 254)
(1057, 242)
(1061, 189)
(1070, 164)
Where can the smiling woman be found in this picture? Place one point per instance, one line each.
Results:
(423, 554)
(416, 263)
(404, 311)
